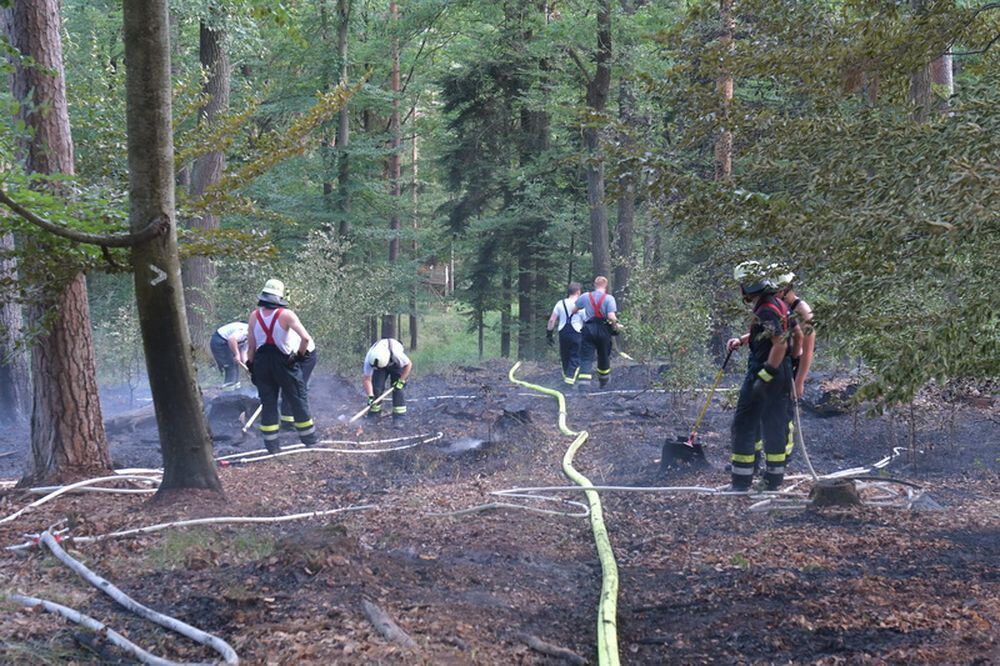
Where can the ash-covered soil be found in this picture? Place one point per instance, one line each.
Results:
(703, 580)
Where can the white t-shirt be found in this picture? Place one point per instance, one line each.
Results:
(564, 306)
(397, 355)
(293, 339)
(237, 329)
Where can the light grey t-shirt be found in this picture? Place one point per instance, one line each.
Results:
(607, 306)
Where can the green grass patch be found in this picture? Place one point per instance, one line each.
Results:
(177, 548)
(445, 340)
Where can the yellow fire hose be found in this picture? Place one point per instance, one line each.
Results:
(607, 610)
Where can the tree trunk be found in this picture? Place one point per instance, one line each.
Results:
(414, 183)
(525, 308)
(943, 82)
(15, 378)
(67, 430)
(199, 272)
(724, 139)
(180, 417)
(505, 298)
(343, 124)
(626, 197)
(597, 99)
(395, 169)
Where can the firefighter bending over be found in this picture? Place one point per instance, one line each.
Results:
(386, 360)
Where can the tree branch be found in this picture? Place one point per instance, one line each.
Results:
(155, 228)
(587, 78)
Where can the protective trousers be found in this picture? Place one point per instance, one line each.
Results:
(287, 413)
(379, 376)
(762, 407)
(569, 353)
(274, 374)
(223, 356)
(595, 340)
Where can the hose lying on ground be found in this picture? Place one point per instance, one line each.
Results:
(197, 635)
(299, 448)
(219, 520)
(607, 614)
(71, 487)
(96, 626)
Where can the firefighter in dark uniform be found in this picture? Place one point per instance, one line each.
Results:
(600, 322)
(766, 390)
(275, 367)
(386, 360)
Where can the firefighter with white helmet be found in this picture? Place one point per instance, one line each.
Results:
(765, 393)
(386, 360)
(278, 346)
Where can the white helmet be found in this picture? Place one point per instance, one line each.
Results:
(781, 276)
(379, 355)
(752, 278)
(273, 293)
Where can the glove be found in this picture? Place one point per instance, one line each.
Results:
(399, 384)
(767, 373)
(253, 380)
(371, 400)
(303, 357)
(550, 337)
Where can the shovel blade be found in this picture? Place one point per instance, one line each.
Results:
(683, 451)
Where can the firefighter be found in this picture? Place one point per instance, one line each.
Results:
(276, 366)
(569, 327)
(386, 360)
(600, 322)
(801, 315)
(229, 349)
(765, 393)
(307, 365)
(802, 347)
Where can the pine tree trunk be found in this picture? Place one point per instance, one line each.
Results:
(343, 124)
(724, 139)
(626, 198)
(67, 430)
(505, 318)
(414, 194)
(15, 377)
(943, 82)
(180, 417)
(525, 308)
(199, 272)
(395, 167)
(597, 99)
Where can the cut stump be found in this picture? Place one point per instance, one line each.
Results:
(834, 492)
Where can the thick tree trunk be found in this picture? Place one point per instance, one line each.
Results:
(343, 124)
(199, 272)
(597, 99)
(67, 430)
(395, 168)
(180, 417)
(724, 139)
(15, 378)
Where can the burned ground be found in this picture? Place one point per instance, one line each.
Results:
(702, 579)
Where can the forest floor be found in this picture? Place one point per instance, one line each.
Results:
(703, 580)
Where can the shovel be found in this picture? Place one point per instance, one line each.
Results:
(688, 449)
(364, 411)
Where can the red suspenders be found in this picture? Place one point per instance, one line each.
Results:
(269, 330)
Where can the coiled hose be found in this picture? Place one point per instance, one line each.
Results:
(607, 609)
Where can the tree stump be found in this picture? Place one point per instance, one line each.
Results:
(834, 492)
